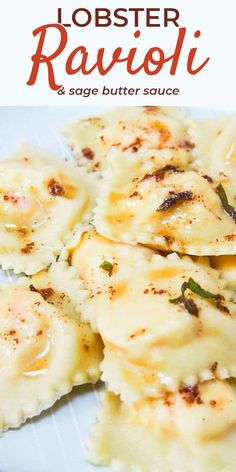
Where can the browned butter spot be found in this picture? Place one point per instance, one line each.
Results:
(58, 189)
(55, 188)
(28, 248)
(191, 394)
(88, 153)
(185, 144)
(137, 333)
(44, 292)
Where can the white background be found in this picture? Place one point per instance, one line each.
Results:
(214, 86)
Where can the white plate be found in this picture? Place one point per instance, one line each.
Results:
(55, 441)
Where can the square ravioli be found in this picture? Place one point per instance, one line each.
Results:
(154, 315)
(42, 199)
(129, 129)
(165, 205)
(161, 327)
(193, 430)
(43, 354)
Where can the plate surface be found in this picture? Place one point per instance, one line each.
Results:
(55, 441)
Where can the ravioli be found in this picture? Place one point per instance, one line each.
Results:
(190, 431)
(107, 296)
(41, 200)
(226, 265)
(89, 252)
(128, 129)
(165, 207)
(43, 354)
(142, 320)
(215, 145)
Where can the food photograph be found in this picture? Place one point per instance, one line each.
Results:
(118, 289)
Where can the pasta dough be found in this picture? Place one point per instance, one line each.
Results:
(43, 354)
(41, 200)
(164, 207)
(129, 129)
(226, 265)
(174, 434)
(166, 341)
(60, 286)
(215, 146)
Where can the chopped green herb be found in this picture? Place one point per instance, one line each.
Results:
(107, 266)
(194, 287)
(175, 198)
(229, 209)
(189, 304)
